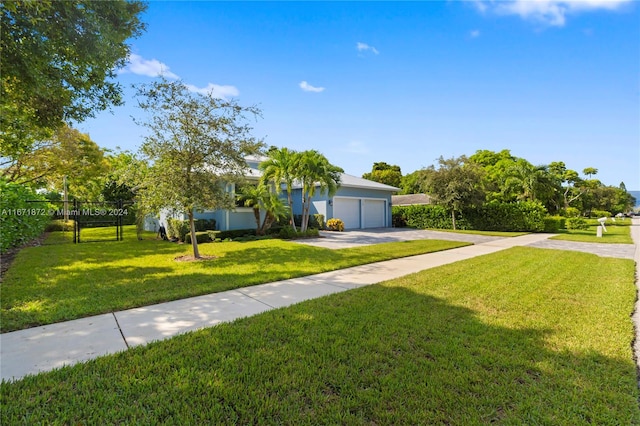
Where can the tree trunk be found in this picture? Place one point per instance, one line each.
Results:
(194, 241)
(453, 219)
(290, 200)
(256, 214)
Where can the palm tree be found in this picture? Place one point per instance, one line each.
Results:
(280, 167)
(316, 173)
(252, 196)
(259, 197)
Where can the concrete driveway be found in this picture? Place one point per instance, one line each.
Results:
(363, 237)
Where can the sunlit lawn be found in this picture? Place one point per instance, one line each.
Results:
(618, 232)
(520, 337)
(503, 234)
(57, 282)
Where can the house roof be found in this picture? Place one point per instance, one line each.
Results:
(351, 181)
(410, 199)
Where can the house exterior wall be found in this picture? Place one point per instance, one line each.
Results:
(361, 194)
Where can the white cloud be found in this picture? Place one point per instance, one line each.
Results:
(216, 90)
(364, 47)
(309, 88)
(548, 12)
(356, 147)
(474, 33)
(149, 67)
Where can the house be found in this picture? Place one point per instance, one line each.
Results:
(359, 203)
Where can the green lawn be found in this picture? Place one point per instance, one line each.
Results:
(504, 234)
(58, 282)
(618, 232)
(523, 336)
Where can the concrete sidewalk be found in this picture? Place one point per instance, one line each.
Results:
(45, 348)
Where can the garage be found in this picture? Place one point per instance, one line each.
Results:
(348, 210)
(358, 213)
(374, 213)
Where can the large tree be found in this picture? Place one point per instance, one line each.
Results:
(385, 173)
(455, 184)
(196, 145)
(57, 60)
(67, 153)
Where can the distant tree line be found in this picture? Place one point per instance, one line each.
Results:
(488, 176)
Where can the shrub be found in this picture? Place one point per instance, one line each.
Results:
(21, 221)
(205, 224)
(554, 223)
(600, 213)
(235, 233)
(287, 233)
(335, 224)
(426, 216)
(316, 221)
(60, 225)
(524, 216)
(201, 237)
(577, 223)
(177, 228)
(570, 212)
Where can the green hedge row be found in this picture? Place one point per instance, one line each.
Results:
(21, 221)
(523, 216)
(426, 216)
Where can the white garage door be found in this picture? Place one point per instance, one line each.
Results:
(347, 209)
(374, 214)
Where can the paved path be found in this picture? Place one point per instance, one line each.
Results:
(45, 348)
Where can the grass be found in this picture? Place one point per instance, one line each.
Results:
(523, 336)
(504, 234)
(58, 282)
(618, 232)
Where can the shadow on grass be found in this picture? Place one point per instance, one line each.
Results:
(378, 355)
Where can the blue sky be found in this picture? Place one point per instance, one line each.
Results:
(405, 83)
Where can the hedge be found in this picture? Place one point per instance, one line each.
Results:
(21, 221)
(426, 216)
(179, 229)
(201, 237)
(524, 216)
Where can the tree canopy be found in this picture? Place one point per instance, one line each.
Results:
(455, 184)
(385, 173)
(57, 60)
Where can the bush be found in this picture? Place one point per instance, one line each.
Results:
(287, 233)
(554, 223)
(205, 224)
(201, 237)
(335, 224)
(60, 225)
(570, 212)
(577, 223)
(21, 221)
(177, 228)
(317, 221)
(600, 213)
(524, 216)
(233, 234)
(426, 216)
